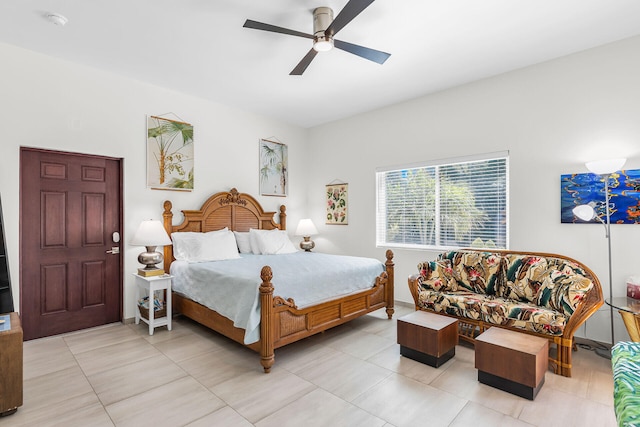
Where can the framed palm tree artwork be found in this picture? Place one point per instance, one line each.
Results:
(274, 168)
(169, 154)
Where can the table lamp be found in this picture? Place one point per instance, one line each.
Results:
(150, 233)
(306, 229)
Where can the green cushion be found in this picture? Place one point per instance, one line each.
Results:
(625, 361)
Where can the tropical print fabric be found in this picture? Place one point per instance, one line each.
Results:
(563, 292)
(437, 275)
(461, 304)
(524, 276)
(528, 292)
(495, 310)
(625, 361)
(482, 272)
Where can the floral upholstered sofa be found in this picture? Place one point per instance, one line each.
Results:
(542, 294)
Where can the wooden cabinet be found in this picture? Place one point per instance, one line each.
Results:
(11, 365)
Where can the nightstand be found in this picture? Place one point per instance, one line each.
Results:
(147, 286)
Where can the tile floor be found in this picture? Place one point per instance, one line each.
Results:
(352, 375)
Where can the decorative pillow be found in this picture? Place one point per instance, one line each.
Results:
(270, 242)
(243, 240)
(437, 275)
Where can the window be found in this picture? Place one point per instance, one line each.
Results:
(446, 204)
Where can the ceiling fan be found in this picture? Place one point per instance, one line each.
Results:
(324, 30)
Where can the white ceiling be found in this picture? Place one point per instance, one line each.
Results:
(200, 47)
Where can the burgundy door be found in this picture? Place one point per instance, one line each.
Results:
(70, 225)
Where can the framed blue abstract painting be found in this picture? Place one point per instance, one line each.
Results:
(588, 189)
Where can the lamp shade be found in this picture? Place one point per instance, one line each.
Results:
(605, 167)
(151, 233)
(306, 228)
(584, 212)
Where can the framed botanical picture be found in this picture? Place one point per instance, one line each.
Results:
(337, 204)
(169, 154)
(274, 168)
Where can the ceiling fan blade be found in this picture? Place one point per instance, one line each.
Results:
(302, 65)
(272, 28)
(363, 52)
(346, 15)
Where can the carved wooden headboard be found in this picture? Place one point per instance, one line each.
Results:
(238, 211)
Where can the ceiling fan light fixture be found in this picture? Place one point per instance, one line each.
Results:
(323, 44)
(322, 18)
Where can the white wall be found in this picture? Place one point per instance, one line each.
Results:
(53, 104)
(551, 117)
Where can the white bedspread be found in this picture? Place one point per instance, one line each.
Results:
(231, 287)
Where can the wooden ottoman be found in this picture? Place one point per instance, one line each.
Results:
(427, 337)
(512, 361)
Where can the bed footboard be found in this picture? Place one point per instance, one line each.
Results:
(282, 323)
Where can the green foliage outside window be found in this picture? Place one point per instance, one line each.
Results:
(449, 205)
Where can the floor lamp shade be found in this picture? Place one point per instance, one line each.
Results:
(605, 166)
(584, 212)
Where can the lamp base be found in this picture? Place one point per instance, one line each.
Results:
(150, 272)
(150, 258)
(307, 244)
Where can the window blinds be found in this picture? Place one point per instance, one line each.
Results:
(453, 203)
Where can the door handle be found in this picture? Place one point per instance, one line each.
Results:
(114, 250)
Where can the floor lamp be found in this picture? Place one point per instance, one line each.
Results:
(604, 168)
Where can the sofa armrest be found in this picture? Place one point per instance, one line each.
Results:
(592, 301)
(414, 287)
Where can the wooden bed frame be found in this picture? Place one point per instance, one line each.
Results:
(281, 322)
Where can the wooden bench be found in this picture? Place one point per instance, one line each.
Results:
(428, 338)
(512, 361)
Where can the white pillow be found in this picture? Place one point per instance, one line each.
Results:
(194, 246)
(253, 240)
(217, 247)
(270, 242)
(185, 244)
(244, 241)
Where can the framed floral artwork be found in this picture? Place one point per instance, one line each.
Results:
(337, 204)
(274, 168)
(169, 154)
